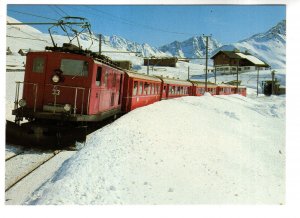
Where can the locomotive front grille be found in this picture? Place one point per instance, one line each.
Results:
(53, 108)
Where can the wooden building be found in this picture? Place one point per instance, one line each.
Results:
(228, 62)
(161, 61)
(127, 65)
(23, 52)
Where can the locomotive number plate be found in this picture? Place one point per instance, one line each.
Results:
(55, 91)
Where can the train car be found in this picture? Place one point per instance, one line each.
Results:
(225, 89)
(198, 88)
(140, 90)
(172, 88)
(242, 90)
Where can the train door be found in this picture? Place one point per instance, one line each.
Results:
(164, 91)
(97, 90)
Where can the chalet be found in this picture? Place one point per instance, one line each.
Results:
(229, 62)
(23, 52)
(184, 60)
(127, 65)
(161, 61)
(8, 51)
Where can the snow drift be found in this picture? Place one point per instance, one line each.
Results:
(191, 150)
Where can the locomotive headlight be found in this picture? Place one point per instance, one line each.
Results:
(55, 78)
(67, 107)
(22, 102)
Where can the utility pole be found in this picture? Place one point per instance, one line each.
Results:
(273, 82)
(148, 66)
(100, 44)
(257, 81)
(237, 76)
(206, 60)
(215, 74)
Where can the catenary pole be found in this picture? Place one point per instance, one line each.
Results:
(206, 61)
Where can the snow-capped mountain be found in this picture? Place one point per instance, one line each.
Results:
(120, 43)
(269, 46)
(191, 48)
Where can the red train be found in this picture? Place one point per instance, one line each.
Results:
(67, 87)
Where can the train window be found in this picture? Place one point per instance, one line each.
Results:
(141, 88)
(105, 78)
(74, 67)
(158, 89)
(135, 87)
(38, 65)
(98, 76)
(152, 89)
(146, 88)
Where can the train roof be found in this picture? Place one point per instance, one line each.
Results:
(176, 82)
(200, 83)
(226, 85)
(142, 76)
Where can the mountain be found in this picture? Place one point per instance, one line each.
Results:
(191, 48)
(269, 46)
(120, 43)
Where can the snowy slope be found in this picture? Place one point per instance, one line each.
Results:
(145, 49)
(191, 150)
(191, 48)
(269, 46)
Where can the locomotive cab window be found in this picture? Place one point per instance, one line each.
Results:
(74, 67)
(98, 76)
(38, 65)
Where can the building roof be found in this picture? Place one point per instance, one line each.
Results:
(242, 55)
(252, 59)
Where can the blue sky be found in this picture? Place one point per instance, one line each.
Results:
(159, 25)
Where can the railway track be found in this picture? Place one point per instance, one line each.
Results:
(27, 169)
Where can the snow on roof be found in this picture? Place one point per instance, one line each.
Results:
(252, 59)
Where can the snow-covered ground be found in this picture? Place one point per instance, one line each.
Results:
(191, 150)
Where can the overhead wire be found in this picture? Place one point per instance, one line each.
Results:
(61, 10)
(129, 22)
(25, 13)
(53, 8)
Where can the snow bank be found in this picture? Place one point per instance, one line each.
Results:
(192, 150)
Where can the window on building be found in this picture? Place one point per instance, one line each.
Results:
(38, 65)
